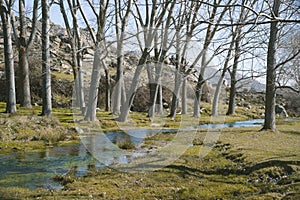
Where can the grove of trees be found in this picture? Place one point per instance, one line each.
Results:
(193, 35)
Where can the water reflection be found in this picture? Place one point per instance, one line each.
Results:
(36, 169)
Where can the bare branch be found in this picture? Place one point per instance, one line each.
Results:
(288, 87)
(288, 60)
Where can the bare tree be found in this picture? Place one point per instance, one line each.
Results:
(215, 103)
(288, 72)
(237, 36)
(233, 73)
(6, 14)
(185, 27)
(76, 46)
(210, 33)
(24, 45)
(99, 55)
(46, 73)
(153, 19)
(160, 50)
(269, 123)
(121, 20)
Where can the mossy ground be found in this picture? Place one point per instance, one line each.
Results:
(27, 131)
(245, 163)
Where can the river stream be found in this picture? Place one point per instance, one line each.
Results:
(36, 169)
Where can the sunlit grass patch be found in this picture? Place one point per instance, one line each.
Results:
(62, 76)
(21, 132)
(125, 143)
(245, 163)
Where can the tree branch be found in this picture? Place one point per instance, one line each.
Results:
(287, 60)
(288, 87)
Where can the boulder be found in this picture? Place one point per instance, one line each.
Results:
(1, 74)
(280, 110)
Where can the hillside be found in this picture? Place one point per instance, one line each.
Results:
(62, 75)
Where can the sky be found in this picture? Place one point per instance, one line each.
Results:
(55, 14)
(56, 17)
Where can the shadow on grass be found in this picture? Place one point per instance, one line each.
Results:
(243, 171)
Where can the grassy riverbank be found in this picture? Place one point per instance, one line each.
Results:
(27, 131)
(245, 163)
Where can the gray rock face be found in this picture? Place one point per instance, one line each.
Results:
(280, 110)
(1, 74)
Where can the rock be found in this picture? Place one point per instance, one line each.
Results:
(89, 51)
(165, 105)
(247, 105)
(280, 110)
(79, 130)
(203, 110)
(65, 66)
(55, 69)
(68, 72)
(261, 98)
(1, 74)
(167, 61)
(225, 83)
(68, 48)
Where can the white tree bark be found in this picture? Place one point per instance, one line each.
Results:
(46, 73)
(9, 58)
(271, 72)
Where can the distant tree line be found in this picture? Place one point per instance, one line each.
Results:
(231, 32)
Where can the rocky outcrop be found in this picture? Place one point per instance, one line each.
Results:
(280, 110)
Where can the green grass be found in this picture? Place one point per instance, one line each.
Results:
(245, 163)
(62, 76)
(27, 131)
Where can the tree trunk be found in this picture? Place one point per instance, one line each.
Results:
(215, 104)
(46, 74)
(75, 70)
(210, 32)
(107, 90)
(24, 79)
(198, 93)
(76, 46)
(183, 97)
(80, 84)
(271, 73)
(9, 60)
(121, 34)
(218, 91)
(176, 94)
(153, 92)
(201, 81)
(156, 88)
(94, 85)
(25, 100)
(118, 86)
(233, 81)
(160, 109)
(232, 94)
(79, 59)
(130, 96)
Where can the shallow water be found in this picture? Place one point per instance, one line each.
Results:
(239, 124)
(36, 169)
